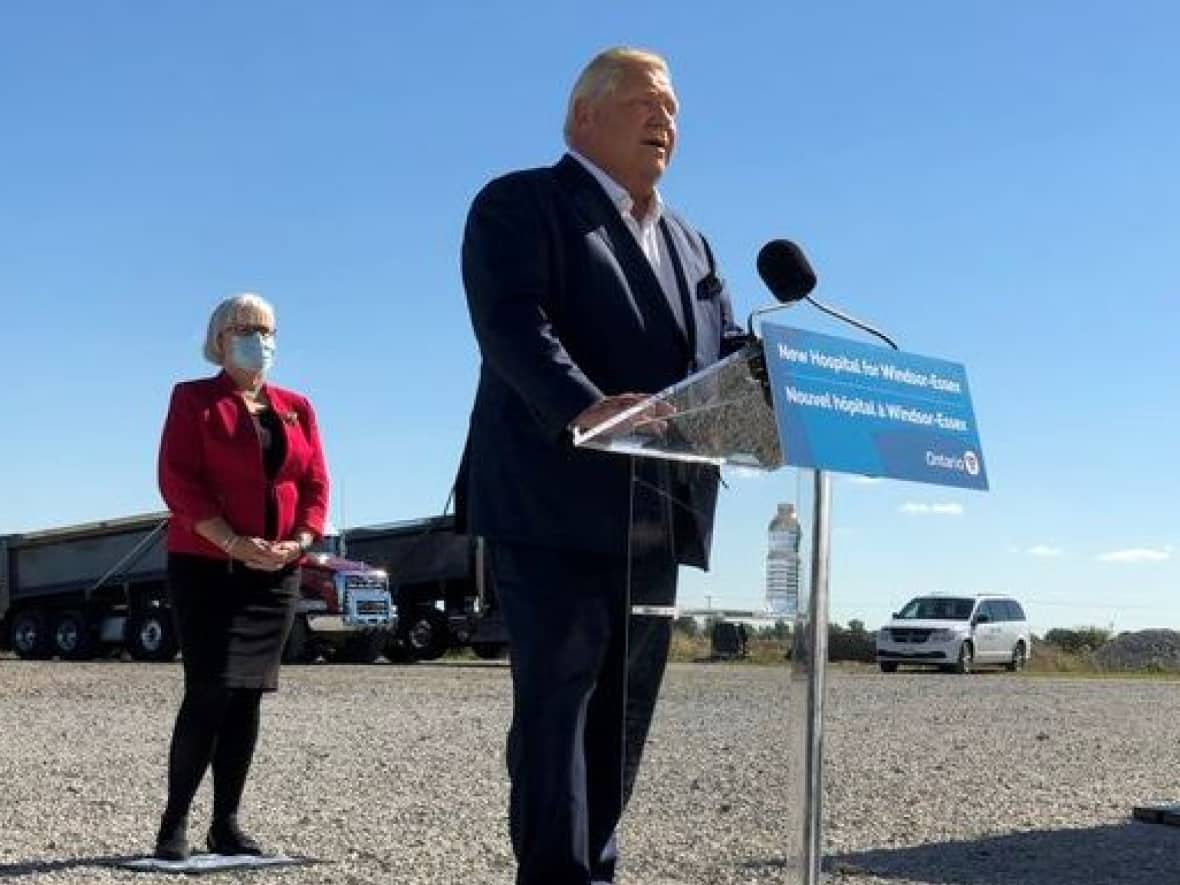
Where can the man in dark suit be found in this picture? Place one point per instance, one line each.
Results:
(586, 293)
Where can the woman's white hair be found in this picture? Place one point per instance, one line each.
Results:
(601, 77)
(228, 311)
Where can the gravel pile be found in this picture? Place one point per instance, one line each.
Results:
(1145, 650)
(395, 775)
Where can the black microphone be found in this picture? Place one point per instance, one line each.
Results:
(788, 274)
(785, 270)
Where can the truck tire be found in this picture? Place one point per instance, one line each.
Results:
(490, 651)
(427, 635)
(361, 648)
(397, 649)
(298, 648)
(29, 635)
(151, 636)
(74, 636)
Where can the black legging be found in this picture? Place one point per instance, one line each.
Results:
(214, 724)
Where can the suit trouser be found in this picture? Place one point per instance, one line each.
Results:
(583, 697)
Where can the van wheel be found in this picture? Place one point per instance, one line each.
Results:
(888, 666)
(73, 637)
(29, 635)
(1019, 658)
(966, 658)
(151, 636)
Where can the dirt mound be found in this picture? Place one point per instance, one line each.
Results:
(1143, 650)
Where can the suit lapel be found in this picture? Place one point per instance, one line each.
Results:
(687, 318)
(604, 216)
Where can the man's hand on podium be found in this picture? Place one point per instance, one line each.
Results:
(756, 358)
(757, 363)
(648, 421)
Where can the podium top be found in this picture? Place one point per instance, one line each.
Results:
(720, 415)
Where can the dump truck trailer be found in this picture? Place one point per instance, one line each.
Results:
(441, 586)
(98, 588)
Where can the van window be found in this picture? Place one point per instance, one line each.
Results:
(942, 608)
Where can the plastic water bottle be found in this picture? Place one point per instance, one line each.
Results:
(782, 563)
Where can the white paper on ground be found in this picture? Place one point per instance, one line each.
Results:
(211, 863)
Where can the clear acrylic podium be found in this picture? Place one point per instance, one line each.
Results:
(719, 417)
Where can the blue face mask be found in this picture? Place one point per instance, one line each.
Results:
(253, 353)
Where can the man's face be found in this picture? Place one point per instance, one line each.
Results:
(631, 133)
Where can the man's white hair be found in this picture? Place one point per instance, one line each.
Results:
(601, 77)
(226, 313)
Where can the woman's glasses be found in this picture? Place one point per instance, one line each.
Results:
(244, 329)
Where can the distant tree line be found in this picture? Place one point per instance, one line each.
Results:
(851, 643)
(854, 643)
(1079, 640)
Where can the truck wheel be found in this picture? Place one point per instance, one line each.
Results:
(29, 635)
(427, 635)
(363, 648)
(151, 636)
(490, 651)
(298, 648)
(888, 666)
(397, 649)
(73, 637)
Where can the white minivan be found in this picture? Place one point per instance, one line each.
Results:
(955, 633)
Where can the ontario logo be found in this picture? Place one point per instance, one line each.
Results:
(967, 463)
(971, 463)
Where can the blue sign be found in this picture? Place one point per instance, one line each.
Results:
(851, 407)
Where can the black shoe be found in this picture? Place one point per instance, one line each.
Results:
(226, 837)
(171, 843)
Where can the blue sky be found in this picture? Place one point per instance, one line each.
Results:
(993, 183)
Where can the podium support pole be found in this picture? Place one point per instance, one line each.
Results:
(817, 644)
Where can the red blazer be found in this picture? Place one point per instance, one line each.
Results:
(211, 465)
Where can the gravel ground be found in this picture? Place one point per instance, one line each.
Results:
(395, 775)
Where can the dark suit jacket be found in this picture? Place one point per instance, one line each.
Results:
(567, 309)
(211, 465)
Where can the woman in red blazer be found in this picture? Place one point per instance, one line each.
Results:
(242, 471)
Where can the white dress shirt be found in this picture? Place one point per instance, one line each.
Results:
(646, 232)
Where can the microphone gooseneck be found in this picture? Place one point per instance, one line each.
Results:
(851, 320)
(788, 275)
